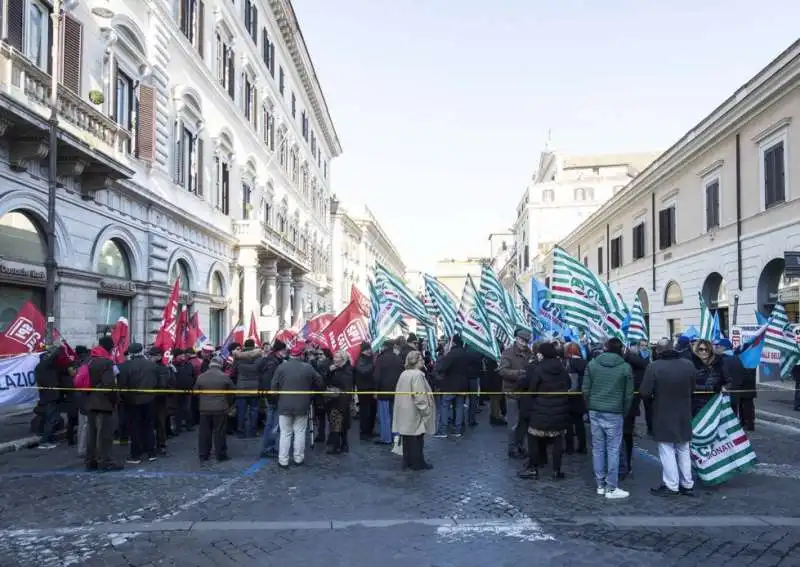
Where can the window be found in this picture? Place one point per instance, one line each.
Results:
(251, 20)
(125, 104)
(774, 164)
(579, 194)
(268, 52)
(666, 227)
(304, 124)
(674, 327)
(226, 72)
(37, 33)
(313, 143)
(113, 261)
(188, 154)
(269, 129)
(325, 169)
(250, 102)
(222, 189)
(21, 238)
(191, 19)
(526, 258)
(247, 206)
(109, 310)
(586, 261)
(548, 196)
(281, 81)
(180, 271)
(639, 241)
(129, 102)
(712, 204)
(673, 294)
(599, 259)
(185, 141)
(616, 252)
(294, 106)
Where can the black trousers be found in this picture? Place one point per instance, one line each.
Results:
(162, 419)
(212, 431)
(648, 415)
(576, 429)
(367, 412)
(413, 452)
(538, 450)
(142, 418)
(745, 409)
(100, 437)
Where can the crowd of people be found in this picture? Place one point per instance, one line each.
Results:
(544, 392)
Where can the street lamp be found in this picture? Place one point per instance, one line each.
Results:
(52, 177)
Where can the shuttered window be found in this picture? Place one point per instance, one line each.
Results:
(666, 228)
(251, 20)
(146, 124)
(712, 205)
(600, 260)
(72, 54)
(268, 51)
(281, 81)
(616, 252)
(199, 173)
(15, 21)
(638, 241)
(774, 175)
(200, 40)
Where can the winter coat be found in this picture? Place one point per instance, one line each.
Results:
(214, 379)
(101, 375)
(388, 368)
(47, 376)
(608, 384)
(490, 381)
(414, 414)
(638, 366)
(295, 375)
(669, 381)
(342, 379)
(454, 370)
(166, 381)
(184, 375)
(576, 402)
(708, 380)
(365, 373)
(547, 412)
(246, 363)
(513, 364)
(740, 378)
(138, 373)
(266, 370)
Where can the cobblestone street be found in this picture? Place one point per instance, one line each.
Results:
(361, 509)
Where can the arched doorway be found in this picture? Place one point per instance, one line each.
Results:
(22, 241)
(715, 294)
(180, 272)
(773, 288)
(114, 262)
(216, 327)
(644, 301)
(673, 296)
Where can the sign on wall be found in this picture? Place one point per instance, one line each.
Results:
(17, 381)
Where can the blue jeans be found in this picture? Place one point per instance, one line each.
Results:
(385, 410)
(474, 400)
(246, 416)
(606, 445)
(269, 440)
(444, 415)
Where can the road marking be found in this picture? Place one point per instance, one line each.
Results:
(778, 417)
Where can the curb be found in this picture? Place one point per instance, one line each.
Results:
(27, 442)
(778, 418)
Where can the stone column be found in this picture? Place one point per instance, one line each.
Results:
(297, 311)
(251, 302)
(285, 293)
(271, 280)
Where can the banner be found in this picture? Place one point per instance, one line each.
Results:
(741, 334)
(25, 333)
(18, 382)
(720, 449)
(347, 331)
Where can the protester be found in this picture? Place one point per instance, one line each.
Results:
(608, 391)
(576, 429)
(100, 407)
(300, 378)
(638, 365)
(47, 378)
(669, 382)
(414, 413)
(513, 364)
(742, 383)
(245, 362)
(453, 370)
(710, 374)
(138, 377)
(214, 410)
(166, 381)
(364, 372)
(388, 367)
(339, 384)
(266, 370)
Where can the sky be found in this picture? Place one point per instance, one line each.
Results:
(443, 106)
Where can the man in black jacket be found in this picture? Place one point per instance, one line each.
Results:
(184, 380)
(364, 372)
(388, 367)
(266, 370)
(454, 369)
(165, 381)
(47, 376)
(139, 373)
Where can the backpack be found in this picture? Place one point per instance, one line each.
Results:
(82, 378)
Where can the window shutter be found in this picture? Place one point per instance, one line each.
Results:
(254, 107)
(672, 226)
(780, 183)
(254, 28)
(146, 124)
(201, 24)
(72, 53)
(247, 11)
(15, 22)
(265, 46)
(231, 74)
(112, 87)
(717, 211)
(709, 207)
(272, 59)
(200, 164)
(178, 177)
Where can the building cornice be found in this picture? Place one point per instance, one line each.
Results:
(293, 38)
(771, 84)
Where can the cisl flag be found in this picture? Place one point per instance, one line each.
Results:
(25, 333)
(347, 331)
(360, 299)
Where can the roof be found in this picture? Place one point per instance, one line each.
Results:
(637, 160)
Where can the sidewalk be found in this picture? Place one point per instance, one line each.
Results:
(775, 403)
(15, 430)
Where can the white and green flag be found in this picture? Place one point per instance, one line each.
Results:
(446, 304)
(473, 324)
(383, 316)
(780, 336)
(720, 448)
(491, 293)
(637, 327)
(395, 291)
(705, 330)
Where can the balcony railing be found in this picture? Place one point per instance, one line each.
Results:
(256, 232)
(26, 82)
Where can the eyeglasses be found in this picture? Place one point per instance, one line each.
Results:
(702, 349)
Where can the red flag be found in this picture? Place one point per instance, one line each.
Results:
(182, 329)
(312, 331)
(165, 338)
(121, 336)
(25, 333)
(66, 354)
(347, 331)
(252, 332)
(360, 299)
(196, 338)
(287, 337)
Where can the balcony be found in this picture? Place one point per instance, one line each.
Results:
(91, 147)
(257, 233)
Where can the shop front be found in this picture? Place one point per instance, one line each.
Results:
(22, 256)
(116, 289)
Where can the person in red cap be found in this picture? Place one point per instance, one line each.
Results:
(299, 380)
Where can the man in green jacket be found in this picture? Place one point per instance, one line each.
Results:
(608, 391)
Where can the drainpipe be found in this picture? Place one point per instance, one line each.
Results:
(739, 211)
(579, 254)
(608, 253)
(653, 236)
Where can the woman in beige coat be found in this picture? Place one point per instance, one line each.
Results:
(414, 412)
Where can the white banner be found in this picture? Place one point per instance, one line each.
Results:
(17, 381)
(743, 333)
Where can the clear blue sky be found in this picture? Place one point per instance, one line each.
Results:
(442, 106)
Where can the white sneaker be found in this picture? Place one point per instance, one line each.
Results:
(601, 490)
(616, 494)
